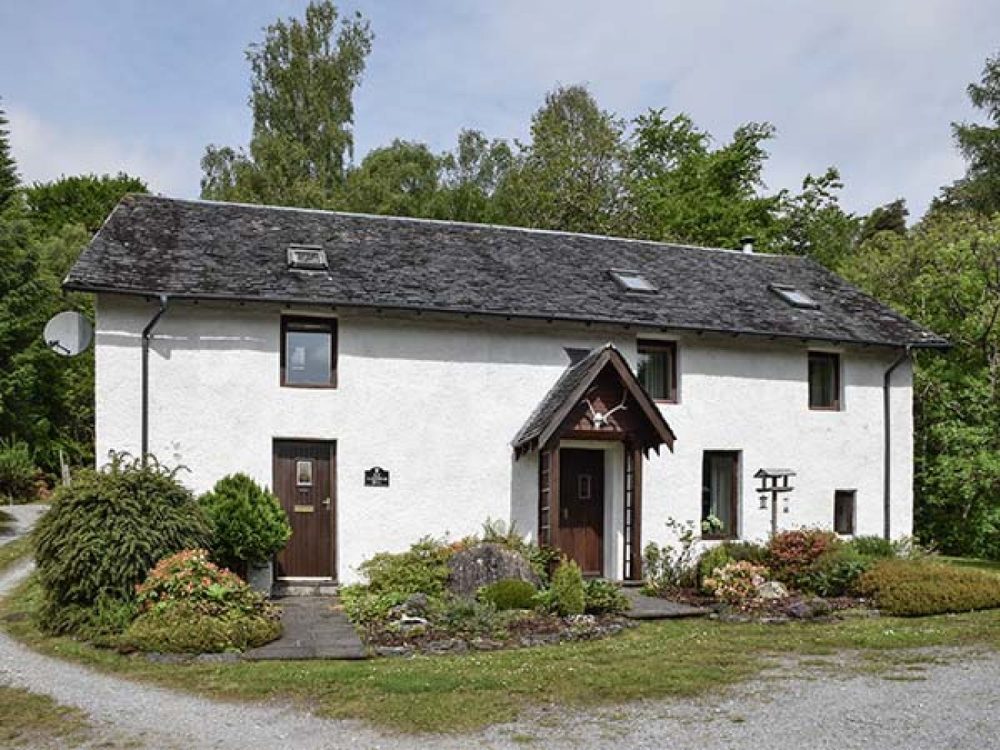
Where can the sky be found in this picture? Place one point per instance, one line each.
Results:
(869, 87)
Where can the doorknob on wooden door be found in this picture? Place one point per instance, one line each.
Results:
(326, 503)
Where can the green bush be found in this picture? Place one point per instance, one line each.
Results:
(17, 470)
(188, 604)
(566, 592)
(510, 593)
(365, 608)
(101, 622)
(874, 547)
(915, 587)
(421, 569)
(181, 628)
(792, 553)
(603, 597)
(105, 531)
(834, 573)
(248, 523)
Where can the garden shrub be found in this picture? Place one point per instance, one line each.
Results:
(792, 553)
(365, 608)
(421, 569)
(835, 572)
(105, 531)
(874, 547)
(189, 604)
(17, 471)
(736, 583)
(603, 597)
(566, 594)
(248, 523)
(915, 587)
(467, 618)
(510, 593)
(667, 567)
(720, 554)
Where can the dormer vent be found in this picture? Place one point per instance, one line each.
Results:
(307, 258)
(746, 244)
(632, 281)
(794, 297)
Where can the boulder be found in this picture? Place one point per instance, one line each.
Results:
(487, 563)
(772, 590)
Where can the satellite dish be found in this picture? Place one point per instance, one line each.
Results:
(68, 333)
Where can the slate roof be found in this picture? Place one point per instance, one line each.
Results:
(199, 249)
(574, 379)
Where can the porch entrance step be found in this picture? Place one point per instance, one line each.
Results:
(312, 628)
(653, 608)
(293, 587)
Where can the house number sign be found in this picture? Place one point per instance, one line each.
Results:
(377, 477)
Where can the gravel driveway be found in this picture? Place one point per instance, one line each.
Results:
(955, 704)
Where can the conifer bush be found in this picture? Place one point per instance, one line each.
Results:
(909, 588)
(104, 532)
(567, 593)
(248, 523)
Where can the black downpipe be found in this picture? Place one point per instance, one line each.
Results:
(887, 441)
(146, 334)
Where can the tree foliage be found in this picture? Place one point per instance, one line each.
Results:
(83, 200)
(8, 169)
(303, 77)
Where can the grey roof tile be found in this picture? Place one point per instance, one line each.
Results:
(152, 245)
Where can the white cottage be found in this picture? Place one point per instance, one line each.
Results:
(392, 378)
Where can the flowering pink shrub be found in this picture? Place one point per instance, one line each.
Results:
(736, 583)
(190, 577)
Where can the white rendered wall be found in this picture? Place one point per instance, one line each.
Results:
(438, 403)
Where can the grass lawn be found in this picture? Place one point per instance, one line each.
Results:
(12, 552)
(36, 721)
(991, 566)
(655, 660)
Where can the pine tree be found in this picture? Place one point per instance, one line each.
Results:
(8, 168)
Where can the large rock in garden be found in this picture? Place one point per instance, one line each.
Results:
(772, 590)
(487, 563)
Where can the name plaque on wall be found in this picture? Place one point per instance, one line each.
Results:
(376, 477)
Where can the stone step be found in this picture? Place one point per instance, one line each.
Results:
(293, 588)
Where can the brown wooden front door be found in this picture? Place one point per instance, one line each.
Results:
(304, 481)
(581, 507)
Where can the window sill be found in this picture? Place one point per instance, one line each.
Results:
(719, 538)
(310, 386)
(825, 408)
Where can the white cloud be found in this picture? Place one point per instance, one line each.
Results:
(46, 150)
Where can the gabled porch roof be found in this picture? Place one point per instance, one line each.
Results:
(549, 419)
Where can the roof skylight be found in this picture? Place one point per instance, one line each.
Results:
(632, 281)
(307, 258)
(794, 297)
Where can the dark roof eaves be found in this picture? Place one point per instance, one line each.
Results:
(73, 286)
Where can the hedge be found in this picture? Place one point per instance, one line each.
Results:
(910, 588)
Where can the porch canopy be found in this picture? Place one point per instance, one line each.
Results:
(597, 399)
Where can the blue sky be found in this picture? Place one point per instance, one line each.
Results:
(870, 87)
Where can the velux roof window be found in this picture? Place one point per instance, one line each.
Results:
(794, 297)
(307, 258)
(632, 281)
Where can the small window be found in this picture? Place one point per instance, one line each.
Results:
(632, 281)
(794, 297)
(824, 380)
(720, 478)
(843, 511)
(309, 352)
(307, 258)
(304, 473)
(657, 369)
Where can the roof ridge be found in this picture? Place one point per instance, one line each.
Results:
(451, 222)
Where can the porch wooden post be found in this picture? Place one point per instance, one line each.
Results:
(548, 496)
(636, 514)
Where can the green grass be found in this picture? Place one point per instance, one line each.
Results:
(451, 693)
(13, 552)
(36, 721)
(991, 566)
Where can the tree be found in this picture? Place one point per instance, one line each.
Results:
(397, 180)
(681, 190)
(303, 77)
(85, 200)
(813, 223)
(888, 218)
(945, 272)
(471, 175)
(570, 176)
(979, 189)
(8, 169)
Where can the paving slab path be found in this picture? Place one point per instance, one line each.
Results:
(654, 608)
(312, 628)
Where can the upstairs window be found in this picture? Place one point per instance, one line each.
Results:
(824, 381)
(657, 369)
(309, 352)
(307, 258)
(632, 281)
(843, 511)
(720, 480)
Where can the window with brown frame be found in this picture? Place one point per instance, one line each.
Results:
(824, 381)
(657, 369)
(843, 511)
(309, 352)
(720, 493)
